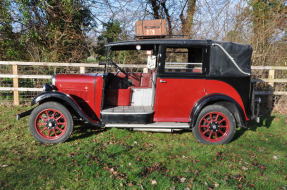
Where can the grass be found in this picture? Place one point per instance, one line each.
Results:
(120, 159)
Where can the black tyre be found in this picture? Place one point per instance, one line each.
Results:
(51, 122)
(215, 125)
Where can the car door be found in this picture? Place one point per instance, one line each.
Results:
(180, 82)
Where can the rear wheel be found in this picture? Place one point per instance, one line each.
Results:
(51, 122)
(215, 125)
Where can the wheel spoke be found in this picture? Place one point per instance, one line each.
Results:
(206, 120)
(220, 131)
(53, 116)
(204, 126)
(216, 135)
(222, 126)
(59, 118)
(54, 130)
(41, 123)
(43, 130)
(43, 119)
(205, 131)
(58, 128)
(216, 117)
(210, 115)
(210, 135)
(221, 121)
(47, 113)
(49, 133)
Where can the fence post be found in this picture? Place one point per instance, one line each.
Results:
(16, 85)
(271, 88)
(82, 69)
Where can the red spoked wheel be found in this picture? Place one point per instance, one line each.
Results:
(51, 122)
(215, 125)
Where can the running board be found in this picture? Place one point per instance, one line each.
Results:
(160, 130)
(163, 125)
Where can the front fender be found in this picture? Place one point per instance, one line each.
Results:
(216, 98)
(64, 99)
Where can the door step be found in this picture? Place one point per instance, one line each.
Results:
(163, 125)
(127, 114)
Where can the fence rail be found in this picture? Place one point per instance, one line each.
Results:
(271, 80)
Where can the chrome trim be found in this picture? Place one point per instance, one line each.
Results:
(163, 125)
(54, 80)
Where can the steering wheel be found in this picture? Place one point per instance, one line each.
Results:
(119, 69)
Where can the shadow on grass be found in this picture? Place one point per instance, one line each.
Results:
(265, 121)
(84, 130)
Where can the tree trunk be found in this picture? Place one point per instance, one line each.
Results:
(188, 20)
(167, 17)
(155, 9)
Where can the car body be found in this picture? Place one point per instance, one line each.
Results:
(202, 85)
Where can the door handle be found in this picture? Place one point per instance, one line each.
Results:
(162, 81)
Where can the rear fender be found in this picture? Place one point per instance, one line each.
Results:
(219, 99)
(64, 99)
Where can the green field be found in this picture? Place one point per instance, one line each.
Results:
(120, 159)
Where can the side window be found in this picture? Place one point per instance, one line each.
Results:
(183, 60)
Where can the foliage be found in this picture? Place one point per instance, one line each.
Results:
(50, 30)
(120, 159)
(112, 31)
(269, 20)
(10, 45)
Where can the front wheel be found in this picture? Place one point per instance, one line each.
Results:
(51, 122)
(215, 125)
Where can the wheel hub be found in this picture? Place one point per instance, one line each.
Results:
(214, 126)
(51, 124)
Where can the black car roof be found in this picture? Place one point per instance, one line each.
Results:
(226, 58)
(150, 42)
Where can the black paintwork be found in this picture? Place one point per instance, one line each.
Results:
(126, 118)
(24, 114)
(215, 98)
(64, 99)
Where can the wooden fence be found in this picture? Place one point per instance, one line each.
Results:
(271, 80)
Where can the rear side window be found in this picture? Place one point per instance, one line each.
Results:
(183, 60)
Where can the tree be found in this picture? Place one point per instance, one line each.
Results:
(157, 6)
(187, 21)
(10, 46)
(55, 30)
(112, 30)
(269, 22)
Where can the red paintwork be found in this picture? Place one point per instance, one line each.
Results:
(81, 88)
(175, 98)
(118, 97)
(138, 79)
(218, 118)
(98, 95)
(215, 86)
(41, 121)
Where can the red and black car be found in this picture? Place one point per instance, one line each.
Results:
(199, 85)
